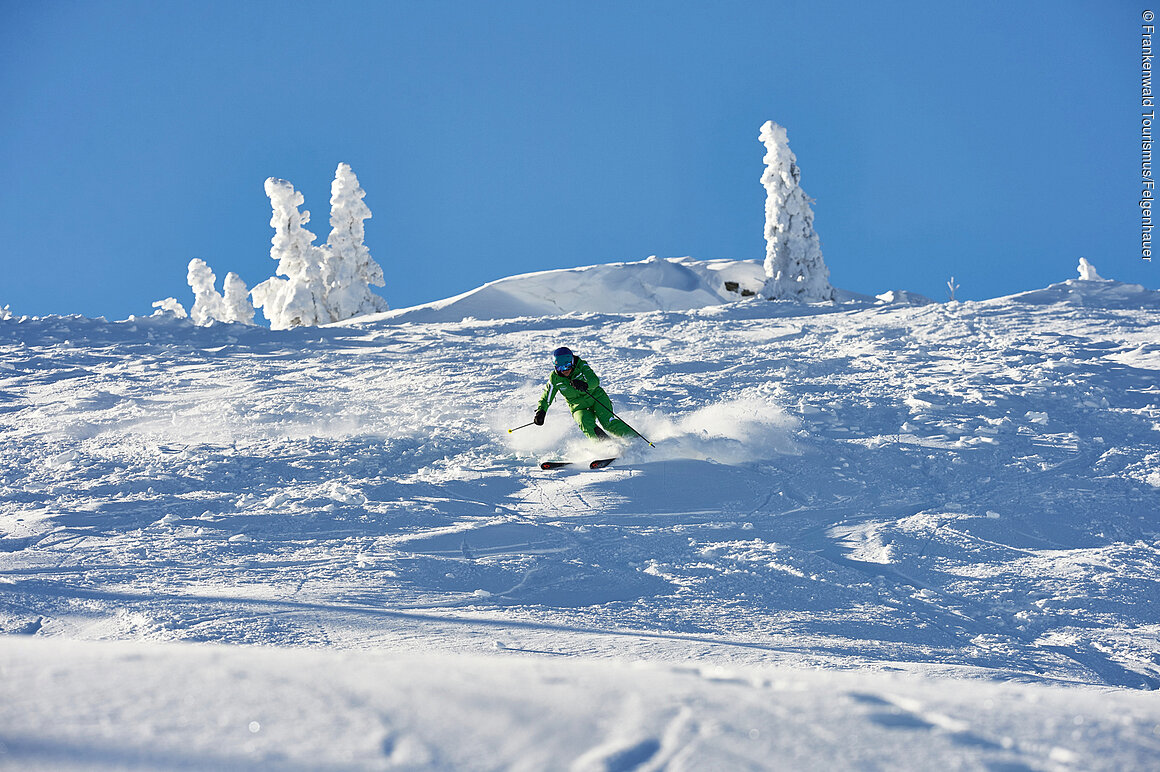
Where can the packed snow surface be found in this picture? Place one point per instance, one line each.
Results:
(869, 537)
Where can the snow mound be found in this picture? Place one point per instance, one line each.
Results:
(1098, 293)
(1091, 290)
(902, 298)
(655, 284)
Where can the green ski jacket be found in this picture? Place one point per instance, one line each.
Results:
(577, 400)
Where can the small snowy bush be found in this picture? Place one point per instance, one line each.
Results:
(793, 258)
(170, 306)
(1087, 271)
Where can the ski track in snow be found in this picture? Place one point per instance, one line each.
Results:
(964, 490)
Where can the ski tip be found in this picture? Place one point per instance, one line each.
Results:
(554, 464)
(600, 463)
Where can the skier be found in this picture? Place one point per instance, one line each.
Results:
(573, 378)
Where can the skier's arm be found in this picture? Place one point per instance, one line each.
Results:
(549, 394)
(584, 373)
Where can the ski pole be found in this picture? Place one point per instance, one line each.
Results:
(524, 427)
(634, 431)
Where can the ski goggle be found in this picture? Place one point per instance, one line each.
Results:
(563, 362)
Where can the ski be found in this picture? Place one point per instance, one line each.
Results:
(599, 463)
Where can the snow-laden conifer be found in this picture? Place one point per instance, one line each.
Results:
(350, 271)
(236, 302)
(209, 305)
(793, 258)
(300, 297)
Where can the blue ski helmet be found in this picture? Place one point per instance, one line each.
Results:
(564, 359)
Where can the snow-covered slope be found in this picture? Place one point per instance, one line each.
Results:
(956, 501)
(85, 706)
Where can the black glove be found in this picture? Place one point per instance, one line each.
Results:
(539, 419)
(580, 385)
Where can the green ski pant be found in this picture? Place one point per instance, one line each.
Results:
(587, 416)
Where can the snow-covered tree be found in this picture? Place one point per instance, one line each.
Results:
(952, 288)
(300, 298)
(350, 271)
(326, 283)
(238, 307)
(793, 257)
(209, 305)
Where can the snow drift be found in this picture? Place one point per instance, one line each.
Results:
(655, 284)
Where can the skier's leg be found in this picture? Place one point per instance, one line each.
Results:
(620, 428)
(586, 421)
(613, 424)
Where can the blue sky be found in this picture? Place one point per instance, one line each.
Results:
(997, 142)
